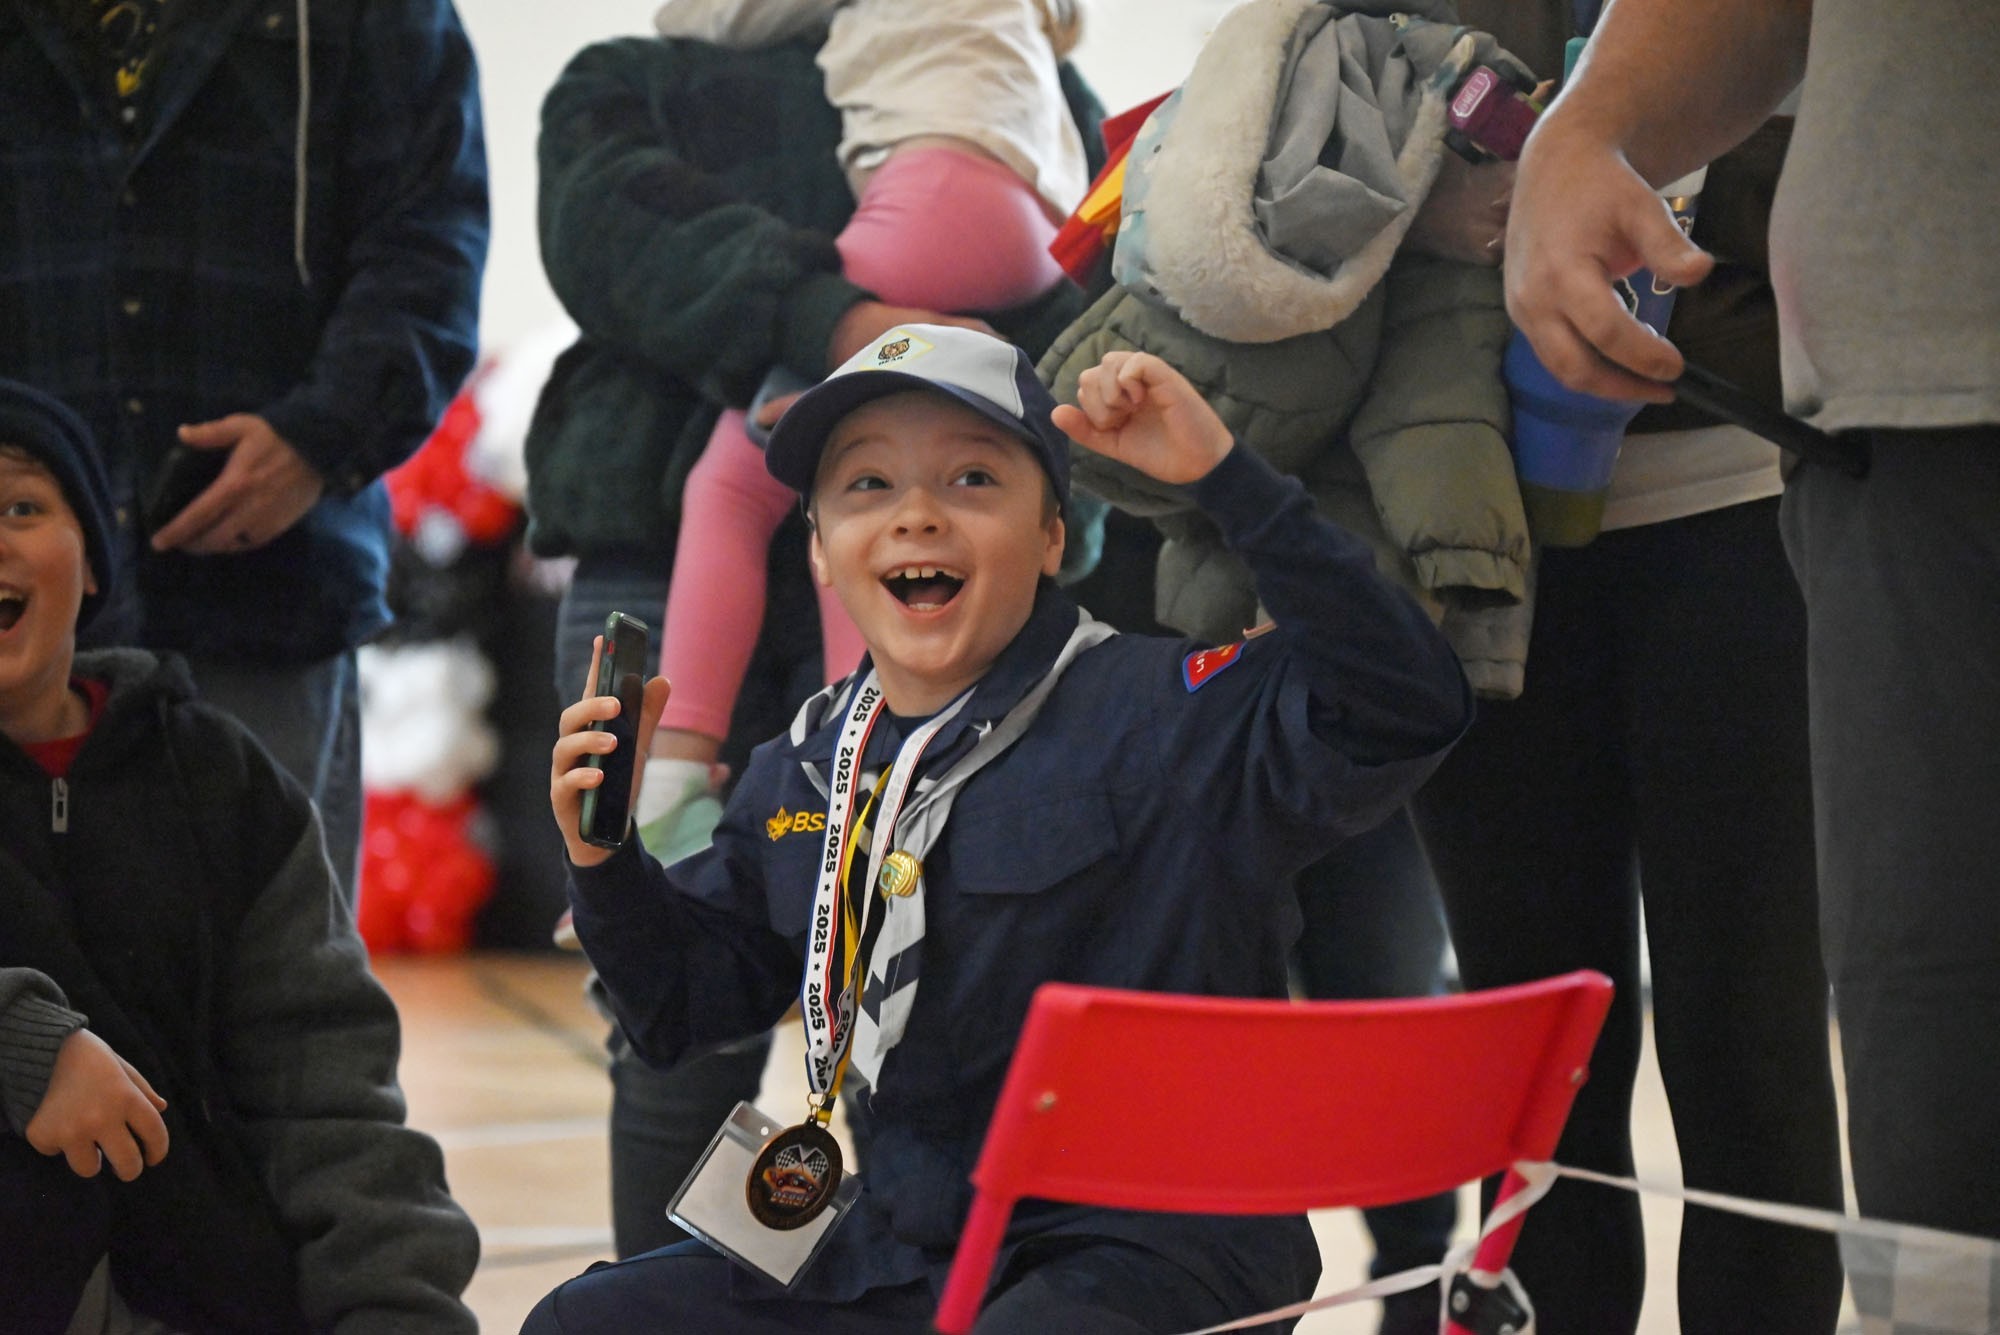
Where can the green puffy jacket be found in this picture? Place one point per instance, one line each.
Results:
(1389, 405)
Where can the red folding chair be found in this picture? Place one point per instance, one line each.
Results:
(1274, 1107)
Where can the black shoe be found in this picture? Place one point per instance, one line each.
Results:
(1412, 1313)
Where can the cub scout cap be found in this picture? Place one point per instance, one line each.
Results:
(993, 378)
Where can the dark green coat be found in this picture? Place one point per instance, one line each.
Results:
(689, 200)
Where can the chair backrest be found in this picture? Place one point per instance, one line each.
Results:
(1214, 1105)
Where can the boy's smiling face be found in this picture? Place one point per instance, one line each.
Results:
(44, 575)
(933, 525)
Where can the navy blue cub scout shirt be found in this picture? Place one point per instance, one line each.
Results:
(1142, 834)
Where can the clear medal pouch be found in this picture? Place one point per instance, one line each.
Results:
(736, 1181)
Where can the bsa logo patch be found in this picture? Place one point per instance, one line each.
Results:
(794, 822)
(1197, 668)
(903, 346)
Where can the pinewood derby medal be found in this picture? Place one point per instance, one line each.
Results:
(793, 1177)
(899, 875)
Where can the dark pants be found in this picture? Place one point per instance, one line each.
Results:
(661, 1121)
(1901, 573)
(1102, 1288)
(1374, 928)
(55, 1226)
(308, 716)
(1662, 733)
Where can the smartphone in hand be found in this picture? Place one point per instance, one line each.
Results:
(184, 473)
(621, 671)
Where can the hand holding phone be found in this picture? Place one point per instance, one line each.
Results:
(621, 671)
(184, 473)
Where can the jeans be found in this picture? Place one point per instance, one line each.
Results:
(309, 718)
(661, 1121)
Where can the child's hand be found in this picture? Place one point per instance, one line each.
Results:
(771, 410)
(1136, 409)
(98, 1109)
(1464, 217)
(575, 739)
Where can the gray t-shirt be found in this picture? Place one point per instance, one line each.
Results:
(1885, 237)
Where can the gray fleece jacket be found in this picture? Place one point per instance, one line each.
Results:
(181, 904)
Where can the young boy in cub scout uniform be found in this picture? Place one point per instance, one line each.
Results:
(1005, 793)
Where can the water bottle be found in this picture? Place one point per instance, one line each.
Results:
(1566, 443)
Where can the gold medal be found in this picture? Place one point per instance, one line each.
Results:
(793, 1177)
(900, 871)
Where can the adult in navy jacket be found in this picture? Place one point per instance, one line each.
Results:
(254, 227)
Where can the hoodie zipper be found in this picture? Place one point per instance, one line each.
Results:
(59, 805)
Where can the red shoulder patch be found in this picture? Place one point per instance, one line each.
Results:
(1197, 668)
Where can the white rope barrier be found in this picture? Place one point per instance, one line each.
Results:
(1904, 1278)
(1458, 1259)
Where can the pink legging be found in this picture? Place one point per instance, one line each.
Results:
(936, 228)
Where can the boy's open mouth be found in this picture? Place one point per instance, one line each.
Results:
(923, 588)
(12, 605)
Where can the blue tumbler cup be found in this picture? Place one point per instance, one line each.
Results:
(1565, 446)
(1566, 443)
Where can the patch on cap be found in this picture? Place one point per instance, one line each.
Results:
(986, 374)
(898, 351)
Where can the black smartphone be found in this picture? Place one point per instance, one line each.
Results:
(183, 474)
(1712, 394)
(621, 671)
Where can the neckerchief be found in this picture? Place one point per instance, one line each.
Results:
(867, 1018)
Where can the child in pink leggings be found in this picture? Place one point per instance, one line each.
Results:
(963, 167)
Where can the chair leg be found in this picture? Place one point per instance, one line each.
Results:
(1489, 1261)
(972, 1266)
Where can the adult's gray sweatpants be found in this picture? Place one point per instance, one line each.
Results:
(1901, 573)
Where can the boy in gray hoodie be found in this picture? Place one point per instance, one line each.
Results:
(183, 999)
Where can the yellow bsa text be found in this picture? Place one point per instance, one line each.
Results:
(794, 822)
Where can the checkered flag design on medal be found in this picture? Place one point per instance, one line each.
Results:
(1919, 1282)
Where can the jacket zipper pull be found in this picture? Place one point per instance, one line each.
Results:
(59, 805)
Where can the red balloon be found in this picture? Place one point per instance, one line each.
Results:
(424, 878)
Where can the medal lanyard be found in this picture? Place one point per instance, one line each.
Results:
(843, 913)
(855, 939)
